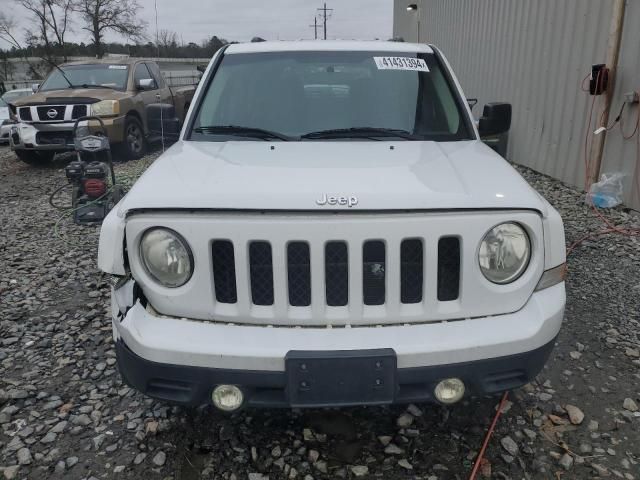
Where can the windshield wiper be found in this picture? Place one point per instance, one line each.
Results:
(367, 132)
(242, 131)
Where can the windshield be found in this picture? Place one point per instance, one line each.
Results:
(96, 75)
(300, 94)
(13, 95)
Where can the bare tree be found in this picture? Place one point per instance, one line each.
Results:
(7, 31)
(52, 19)
(119, 16)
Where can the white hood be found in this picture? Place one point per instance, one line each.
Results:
(402, 175)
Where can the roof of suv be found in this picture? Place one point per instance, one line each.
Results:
(328, 45)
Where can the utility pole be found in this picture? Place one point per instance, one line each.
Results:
(324, 11)
(315, 27)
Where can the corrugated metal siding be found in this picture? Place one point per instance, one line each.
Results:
(622, 155)
(533, 54)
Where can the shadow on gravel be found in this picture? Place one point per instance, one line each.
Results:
(333, 443)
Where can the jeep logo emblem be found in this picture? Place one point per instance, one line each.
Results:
(52, 113)
(350, 201)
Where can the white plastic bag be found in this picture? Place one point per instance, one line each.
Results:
(608, 192)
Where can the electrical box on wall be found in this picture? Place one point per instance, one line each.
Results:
(599, 79)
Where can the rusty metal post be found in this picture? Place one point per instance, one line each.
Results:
(613, 52)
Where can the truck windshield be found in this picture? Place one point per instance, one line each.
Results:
(86, 76)
(330, 95)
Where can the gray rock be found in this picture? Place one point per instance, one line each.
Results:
(393, 449)
(71, 461)
(575, 414)
(81, 420)
(98, 441)
(159, 458)
(509, 445)
(359, 470)
(49, 438)
(139, 458)
(566, 461)
(405, 420)
(404, 463)
(11, 472)
(24, 456)
(630, 405)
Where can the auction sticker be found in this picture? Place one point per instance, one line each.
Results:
(401, 63)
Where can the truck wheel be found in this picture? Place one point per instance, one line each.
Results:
(134, 145)
(32, 157)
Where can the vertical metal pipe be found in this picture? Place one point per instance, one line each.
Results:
(613, 52)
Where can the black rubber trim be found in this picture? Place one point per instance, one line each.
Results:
(192, 386)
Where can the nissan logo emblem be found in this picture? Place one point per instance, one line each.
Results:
(53, 113)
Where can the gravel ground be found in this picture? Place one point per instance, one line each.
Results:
(65, 413)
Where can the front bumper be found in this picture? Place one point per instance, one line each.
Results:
(181, 360)
(58, 136)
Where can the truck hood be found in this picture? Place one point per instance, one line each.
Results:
(403, 175)
(71, 95)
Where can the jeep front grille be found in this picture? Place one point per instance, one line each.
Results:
(336, 274)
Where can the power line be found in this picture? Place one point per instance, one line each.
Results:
(324, 11)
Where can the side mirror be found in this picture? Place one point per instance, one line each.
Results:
(35, 87)
(496, 119)
(146, 84)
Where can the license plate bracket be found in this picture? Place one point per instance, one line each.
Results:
(341, 377)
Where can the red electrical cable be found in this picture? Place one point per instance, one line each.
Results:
(611, 228)
(487, 437)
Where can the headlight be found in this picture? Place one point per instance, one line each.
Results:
(504, 253)
(105, 108)
(166, 257)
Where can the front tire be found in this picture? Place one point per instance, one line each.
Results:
(134, 145)
(35, 158)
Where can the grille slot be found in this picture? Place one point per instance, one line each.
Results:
(373, 272)
(411, 271)
(25, 113)
(336, 272)
(78, 111)
(224, 271)
(299, 274)
(448, 268)
(261, 271)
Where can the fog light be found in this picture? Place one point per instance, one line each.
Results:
(227, 397)
(449, 390)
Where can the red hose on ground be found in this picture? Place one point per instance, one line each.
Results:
(487, 437)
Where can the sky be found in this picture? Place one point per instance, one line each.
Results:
(242, 20)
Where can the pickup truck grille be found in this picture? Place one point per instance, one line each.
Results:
(52, 113)
(336, 272)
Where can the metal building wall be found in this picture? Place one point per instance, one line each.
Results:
(533, 54)
(622, 155)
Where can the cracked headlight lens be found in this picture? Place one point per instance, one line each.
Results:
(504, 253)
(166, 257)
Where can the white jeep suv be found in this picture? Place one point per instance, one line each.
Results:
(330, 230)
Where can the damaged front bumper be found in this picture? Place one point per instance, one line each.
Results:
(182, 360)
(57, 136)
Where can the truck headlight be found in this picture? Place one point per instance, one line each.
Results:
(504, 253)
(105, 108)
(166, 257)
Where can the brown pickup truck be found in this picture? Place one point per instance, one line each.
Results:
(117, 90)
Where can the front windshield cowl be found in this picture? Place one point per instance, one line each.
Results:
(331, 95)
